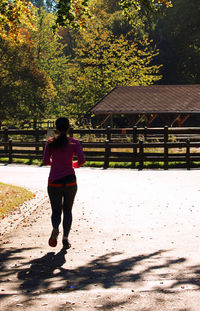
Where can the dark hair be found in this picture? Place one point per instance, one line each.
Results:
(62, 125)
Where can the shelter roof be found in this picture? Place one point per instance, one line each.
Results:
(150, 99)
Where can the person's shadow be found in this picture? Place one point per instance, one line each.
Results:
(41, 270)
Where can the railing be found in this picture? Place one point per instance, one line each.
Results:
(48, 124)
(132, 134)
(21, 150)
(134, 146)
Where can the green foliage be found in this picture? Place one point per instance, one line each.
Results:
(102, 61)
(13, 16)
(50, 58)
(111, 6)
(178, 37)
(23, 87)
(75, 12)
(25, 90)
(41, 76)
(115, 20)
(118, 24)
(145, 6)
(72, 13)
(107, 54)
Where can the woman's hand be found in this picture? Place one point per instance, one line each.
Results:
(75, 164)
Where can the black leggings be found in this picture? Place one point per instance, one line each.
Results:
(62, 199)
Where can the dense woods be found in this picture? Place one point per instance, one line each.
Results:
(62, 57)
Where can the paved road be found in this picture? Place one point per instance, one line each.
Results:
(135, 244)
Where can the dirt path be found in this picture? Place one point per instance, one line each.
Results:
(135, 244)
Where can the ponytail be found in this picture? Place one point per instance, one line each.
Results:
(59, 141)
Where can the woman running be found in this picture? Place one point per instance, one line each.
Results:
(62, 186)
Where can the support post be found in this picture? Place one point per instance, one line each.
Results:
(134, 147)
(107, 153)
(10, 150)
(188, 154)
(108, 133)
(141, 151)
(6, 139)
(37, 140)
(165, 147)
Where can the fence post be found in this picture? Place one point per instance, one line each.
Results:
(134, 155)
(141, 151)
(10, 150)
(188, 154)
(6, 139)
(107, 152)
(108, 133)
(36, 139)
(134, 148)
(165, 147)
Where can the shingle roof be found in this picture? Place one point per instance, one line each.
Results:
(150, 99)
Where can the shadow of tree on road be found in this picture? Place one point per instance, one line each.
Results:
(47, 273)
(9, 260)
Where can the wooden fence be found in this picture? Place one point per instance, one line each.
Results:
(134, 146)
(48, 124)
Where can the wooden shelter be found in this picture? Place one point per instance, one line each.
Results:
(155, 105)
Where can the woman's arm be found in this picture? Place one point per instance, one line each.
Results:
(47, 155)
(80, 155)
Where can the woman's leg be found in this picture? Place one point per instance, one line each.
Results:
(55, 196)
(69, 195)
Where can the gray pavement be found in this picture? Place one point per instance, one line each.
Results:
(135, 243)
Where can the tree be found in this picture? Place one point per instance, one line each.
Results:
(50, 57)
(109, 14)
(103, 61)
(179, 42)
(15, 16)
(25, 90)
(74, 13)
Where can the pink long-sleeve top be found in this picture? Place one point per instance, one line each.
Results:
(61, 159)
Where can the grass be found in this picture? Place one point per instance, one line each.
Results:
(147, 164)
(11, 197)
(22, 161)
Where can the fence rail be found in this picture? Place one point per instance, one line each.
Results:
(134, 146)
(135, 133)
